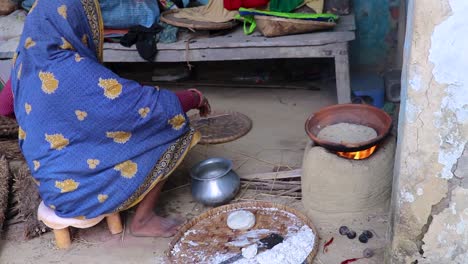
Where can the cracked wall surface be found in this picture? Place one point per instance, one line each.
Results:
(430, 195)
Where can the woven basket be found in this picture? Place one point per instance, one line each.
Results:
(7, 7)
(212, 227)
(168, 17)
(26, 200)
(276, 26)
(5, 179)
(10, 149)
(8, 127)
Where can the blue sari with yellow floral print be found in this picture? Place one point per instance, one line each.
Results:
(95, 143)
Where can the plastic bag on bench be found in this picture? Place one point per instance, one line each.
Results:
(26, 4)
(129, 13)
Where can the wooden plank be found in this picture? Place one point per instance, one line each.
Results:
(238, 40)
(274, 175)
(293, 86)
(343, 86)
(326, 51)
(288, 182)
(346, 23)
(6, 55)
(8, 48)
(341, 33)
(277, 186)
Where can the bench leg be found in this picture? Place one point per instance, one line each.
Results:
(343, 86)
(114, 223)
(62, 238)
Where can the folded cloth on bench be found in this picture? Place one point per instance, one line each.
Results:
(213, 12)
(236, 4)
(316, 5)
(284, 6)
(145, 40)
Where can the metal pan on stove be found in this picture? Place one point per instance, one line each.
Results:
(359, 114)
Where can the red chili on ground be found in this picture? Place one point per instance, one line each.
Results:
(350, 260)
(329, 242)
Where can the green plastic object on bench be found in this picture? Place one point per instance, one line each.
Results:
(247, 15)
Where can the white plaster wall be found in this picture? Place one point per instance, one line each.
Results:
(449, 54)
(430, 199)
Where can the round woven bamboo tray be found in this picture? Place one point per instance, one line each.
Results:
(221, 126)
(276, 26)
(169, 18)
(8, 127)
(208, 235)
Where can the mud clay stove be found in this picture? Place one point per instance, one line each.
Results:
(348, 178)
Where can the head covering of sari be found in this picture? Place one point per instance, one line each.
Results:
(90, 138)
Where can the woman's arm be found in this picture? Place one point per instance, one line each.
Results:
(194, 99)
(6, 101)
(188, 99)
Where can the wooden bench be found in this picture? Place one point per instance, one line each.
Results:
(237, 46)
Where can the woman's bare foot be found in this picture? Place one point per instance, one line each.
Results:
(146, 223)
(155, 226)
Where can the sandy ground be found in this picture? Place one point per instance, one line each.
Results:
(277, 139)
(97, 245)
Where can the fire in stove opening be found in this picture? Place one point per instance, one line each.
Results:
(358, 155)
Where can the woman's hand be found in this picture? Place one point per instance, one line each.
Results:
(204, 106)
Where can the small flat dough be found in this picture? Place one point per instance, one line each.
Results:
(241, 220)
(250, 252)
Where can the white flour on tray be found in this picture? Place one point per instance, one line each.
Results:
(298, 244)
(294, 250)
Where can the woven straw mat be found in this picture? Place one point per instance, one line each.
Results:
(221, 127)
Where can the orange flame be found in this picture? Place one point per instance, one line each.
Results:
(358, 155)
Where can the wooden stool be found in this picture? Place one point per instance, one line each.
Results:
(61, 225)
